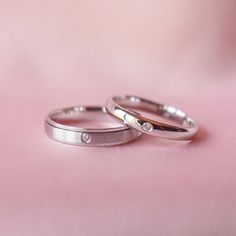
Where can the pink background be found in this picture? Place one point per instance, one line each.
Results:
(59, 53)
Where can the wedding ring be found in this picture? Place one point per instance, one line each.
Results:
(122, 108)
(58, 127)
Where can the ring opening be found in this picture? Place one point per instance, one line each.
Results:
(151, 110)
(84, 117)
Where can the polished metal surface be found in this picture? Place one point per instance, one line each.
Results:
(122, 108)
(70, 134)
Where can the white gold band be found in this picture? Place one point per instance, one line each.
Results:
(120, 107)
(87, 136)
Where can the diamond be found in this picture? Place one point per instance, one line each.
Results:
(146, 126)
(86, 138)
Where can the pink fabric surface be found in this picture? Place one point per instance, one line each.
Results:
(61, 53)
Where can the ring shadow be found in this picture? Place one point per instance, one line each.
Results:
(201, 136)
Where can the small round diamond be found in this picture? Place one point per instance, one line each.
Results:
(146, 126)
(86, 138)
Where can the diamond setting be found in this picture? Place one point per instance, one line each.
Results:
(147, 127)
(86, 138)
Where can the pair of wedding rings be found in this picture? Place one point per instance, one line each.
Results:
(129, 124)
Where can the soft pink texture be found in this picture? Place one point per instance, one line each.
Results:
(59, 53)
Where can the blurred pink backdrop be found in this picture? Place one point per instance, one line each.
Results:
(59, 53)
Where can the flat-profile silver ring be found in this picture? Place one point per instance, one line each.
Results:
(69, 134)
(179, 126)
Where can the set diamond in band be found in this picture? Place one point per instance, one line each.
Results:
(129, 123)
(122, 108)
(67, 133)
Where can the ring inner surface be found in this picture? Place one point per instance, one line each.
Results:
(84, 117)
(152, 110)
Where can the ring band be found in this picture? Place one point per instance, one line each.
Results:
(87, 136)
(119, 107)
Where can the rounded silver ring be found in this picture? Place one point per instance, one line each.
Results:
(120, 107)
(87, 136)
